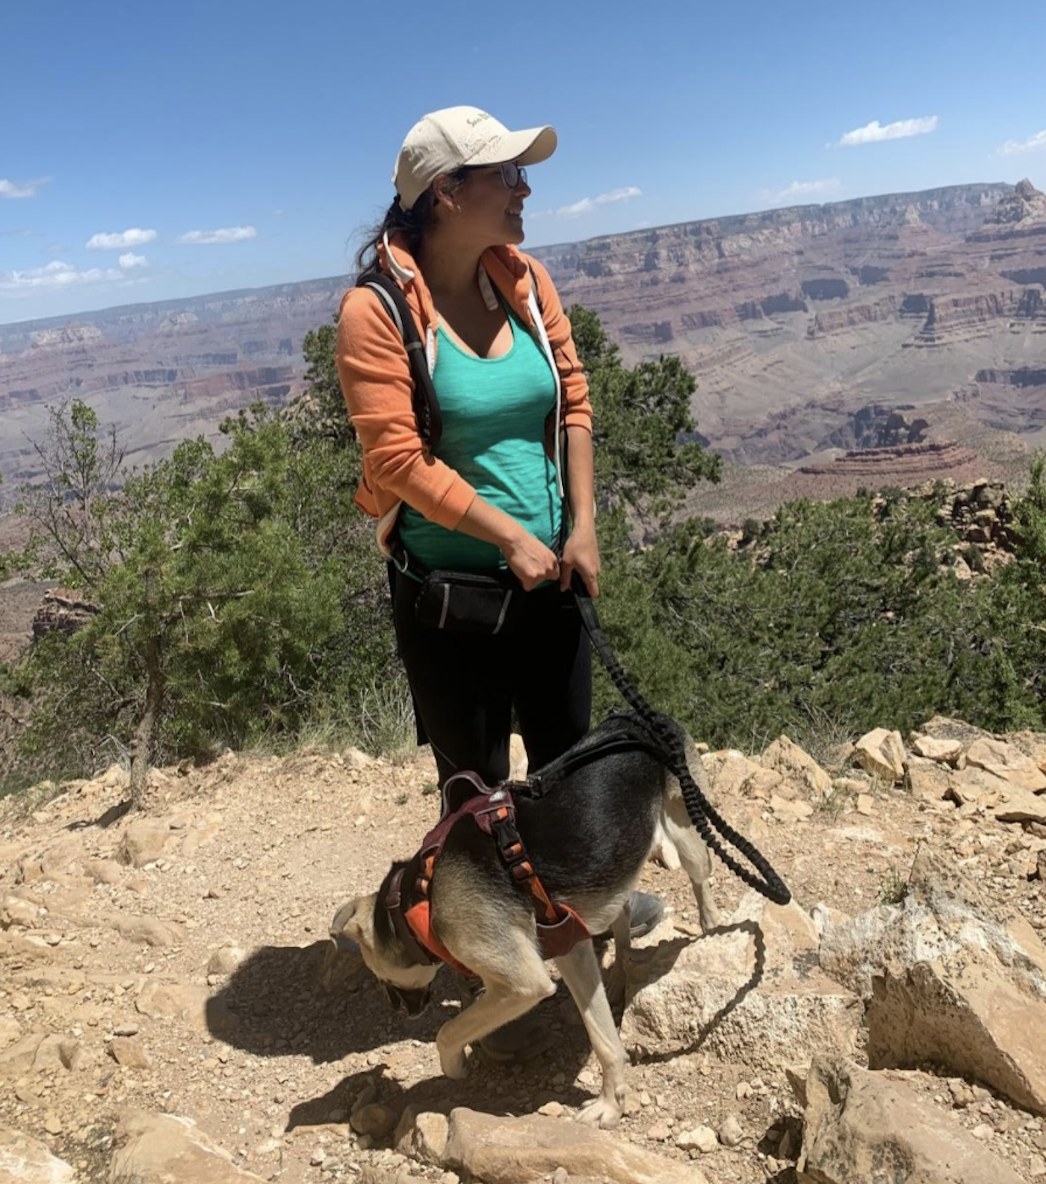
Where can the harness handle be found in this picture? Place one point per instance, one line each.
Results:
(702, 813)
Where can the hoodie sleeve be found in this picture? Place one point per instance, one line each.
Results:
(577, 410)
(376, 383)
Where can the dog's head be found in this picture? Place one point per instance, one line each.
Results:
(407, 985)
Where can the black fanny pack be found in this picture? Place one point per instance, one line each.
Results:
(466, 602)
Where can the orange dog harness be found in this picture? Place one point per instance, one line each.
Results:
(559, 926)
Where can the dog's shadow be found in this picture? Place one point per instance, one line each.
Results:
(318, 1002)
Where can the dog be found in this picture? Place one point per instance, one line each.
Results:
(605, 807)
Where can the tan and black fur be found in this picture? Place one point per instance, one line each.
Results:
(588, 837)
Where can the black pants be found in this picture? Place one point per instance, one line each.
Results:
(467, 686)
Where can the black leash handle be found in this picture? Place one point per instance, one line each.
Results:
(702, 813)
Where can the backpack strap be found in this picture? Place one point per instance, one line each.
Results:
(423, 399)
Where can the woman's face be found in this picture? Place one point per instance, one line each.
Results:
(488, 211)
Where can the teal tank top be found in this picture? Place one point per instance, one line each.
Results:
(494, 412)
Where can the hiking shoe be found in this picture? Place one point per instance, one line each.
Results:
(646, 912)
(519, 1040)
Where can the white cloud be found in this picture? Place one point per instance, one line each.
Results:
(121, 240)
(21, 188)
(587, 204)
(1031, 144)
(798, 190)
(55, 275)
(873, 132)
(227, 234)
(132, 260)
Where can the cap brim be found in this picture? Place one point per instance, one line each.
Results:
(531, 146)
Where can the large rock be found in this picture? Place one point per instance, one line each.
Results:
(521, 1150)
(947, 982)
(144, 840)
(929, 779)
(881, 753)
(1006, 761)
(752, 990)
(164, 1148)
(25, 1161)
(798, 768)
(967, 1015)
(732, 775)
(1019, 805)
(865, 1128)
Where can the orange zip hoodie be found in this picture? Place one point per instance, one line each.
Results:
(376, 382)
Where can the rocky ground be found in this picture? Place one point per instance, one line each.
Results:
(178, 964)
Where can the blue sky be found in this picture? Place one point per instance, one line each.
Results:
(150, 151)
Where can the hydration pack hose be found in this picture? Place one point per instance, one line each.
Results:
(702, 813)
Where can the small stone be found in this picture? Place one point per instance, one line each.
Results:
(701, 1138)
(53, 1124)
(128, 1029)
(551, 1109)
(659, 1133)
(374, 1120)
(128, 1052)
(744, 1090)
(983, 1130)
(730, 1132)
(317, 1157)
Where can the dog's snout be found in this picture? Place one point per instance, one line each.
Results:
(343, 943)
(407, 1002)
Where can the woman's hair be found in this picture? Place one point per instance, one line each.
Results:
(413, 224)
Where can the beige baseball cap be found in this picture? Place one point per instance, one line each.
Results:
(454, 136)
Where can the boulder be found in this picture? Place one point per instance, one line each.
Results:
(732, 775)
(161, 1148)
(752, 990)
(797, 768)
(862, 1127)
(947, 981)
(144, 840)
(939, 749)
(1007, 762)
(930, 781)
(881, 753)
(522, 1150)
(26, 1161)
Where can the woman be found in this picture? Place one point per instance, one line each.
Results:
(496, 494)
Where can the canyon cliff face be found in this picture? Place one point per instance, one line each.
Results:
(794, 322)
(160, 372)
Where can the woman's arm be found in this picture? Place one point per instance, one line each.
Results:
(376, 382)
(581, 553)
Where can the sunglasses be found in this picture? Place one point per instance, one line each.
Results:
(512, 175)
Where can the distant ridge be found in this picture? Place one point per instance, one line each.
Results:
(797, 322)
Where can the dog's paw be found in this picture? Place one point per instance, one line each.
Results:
(451, 1059)
(603, 1112)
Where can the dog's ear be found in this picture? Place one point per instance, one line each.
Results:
(354, 921)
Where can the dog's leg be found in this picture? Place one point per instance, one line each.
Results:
(580, 972)
(693, 854)
(617, 979)
(500, 1003)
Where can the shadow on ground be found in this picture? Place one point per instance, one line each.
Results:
(318, 1002)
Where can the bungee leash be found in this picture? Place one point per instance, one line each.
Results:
(702, 813)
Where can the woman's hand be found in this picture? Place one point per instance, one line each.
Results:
(581, 554)
(530, 561)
